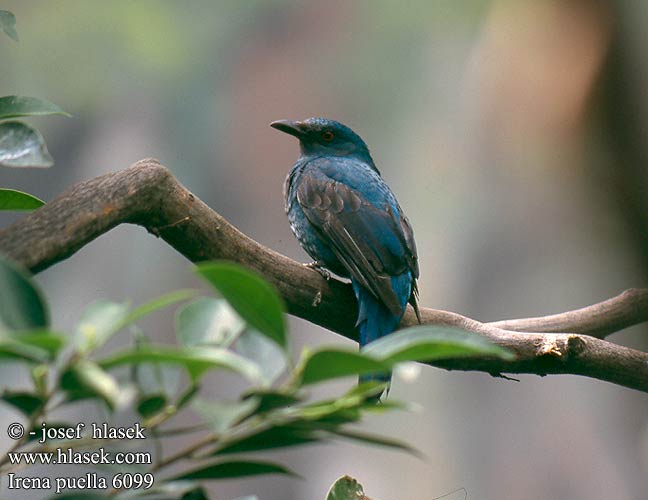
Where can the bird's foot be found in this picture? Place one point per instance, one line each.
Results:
(319, 267)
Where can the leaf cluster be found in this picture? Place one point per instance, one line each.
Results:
(241, 331)
(21, 145)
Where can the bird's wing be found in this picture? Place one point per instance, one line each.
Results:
(372, 243)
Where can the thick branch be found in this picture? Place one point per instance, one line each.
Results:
(147, 194)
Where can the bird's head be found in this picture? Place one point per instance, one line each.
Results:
(323, 137)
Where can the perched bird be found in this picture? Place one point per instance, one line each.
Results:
(348, 220)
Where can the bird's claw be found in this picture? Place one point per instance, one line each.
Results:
(319, 267)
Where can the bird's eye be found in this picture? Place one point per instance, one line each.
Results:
(327, 135)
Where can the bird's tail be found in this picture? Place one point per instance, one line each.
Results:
(375, 320)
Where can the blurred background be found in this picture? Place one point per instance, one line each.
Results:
(514, 134)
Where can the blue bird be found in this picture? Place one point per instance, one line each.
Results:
(348, 220)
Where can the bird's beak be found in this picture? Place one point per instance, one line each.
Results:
(292, 127)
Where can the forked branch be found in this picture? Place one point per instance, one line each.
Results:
(148, 195)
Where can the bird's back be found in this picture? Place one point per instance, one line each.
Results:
(345, 215)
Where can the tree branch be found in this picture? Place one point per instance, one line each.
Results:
(598, 320)
(148, 195)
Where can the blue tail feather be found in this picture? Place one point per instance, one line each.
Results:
(375, 320)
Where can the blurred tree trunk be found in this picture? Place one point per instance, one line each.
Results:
(623, 123)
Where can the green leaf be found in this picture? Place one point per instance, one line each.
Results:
(346, 488)
(22, 146)
(376, 440)
(221, 415)
(367, 390)
(270, 399)
(155, 378)
(151, 405)
(8, 24)
(256, 301)
(10, 199)
(208, 321)
(281, 436)
(11, 349)
(99, 322)
(158, 303)
(196, 361)
(327, 364)
(24, 401)
(13, 106)
(330, 414)
(195, 494)
(225, 470)
(266, 354)
(51, 342)
(92, 381)
(22, 306)
(327, 414)
(428, 343)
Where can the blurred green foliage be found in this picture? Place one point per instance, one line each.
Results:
(274, 411)
(20, 144)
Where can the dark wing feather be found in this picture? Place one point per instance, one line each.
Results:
(369, 242)
(408, 235)
(412, 260)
